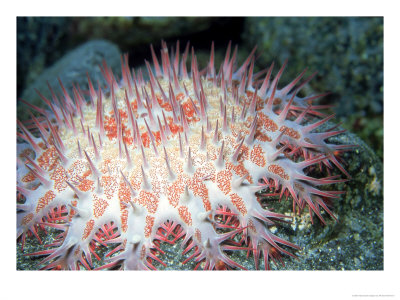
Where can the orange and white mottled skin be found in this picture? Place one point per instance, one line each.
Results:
(104, 177)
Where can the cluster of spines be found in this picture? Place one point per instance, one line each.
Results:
(63, 113)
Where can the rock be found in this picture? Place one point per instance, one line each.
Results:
(71, 69)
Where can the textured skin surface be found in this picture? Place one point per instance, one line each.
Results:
(180, 156)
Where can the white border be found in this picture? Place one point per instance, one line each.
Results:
(206, 285)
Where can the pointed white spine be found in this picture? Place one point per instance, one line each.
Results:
(145, 163)
(145, 184)
(83, 213)
(96, 174)
(128, 158)
(170, 172)
(189, 163)
(237, 152)
(238, 182)
(79, 149)
(78, 193)
(41, 178)
(220, 161)
(133, 193)
(152, 139)
(215, 138)
(186, 196)
(253, 127)
(180, 146)
(203, 139)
